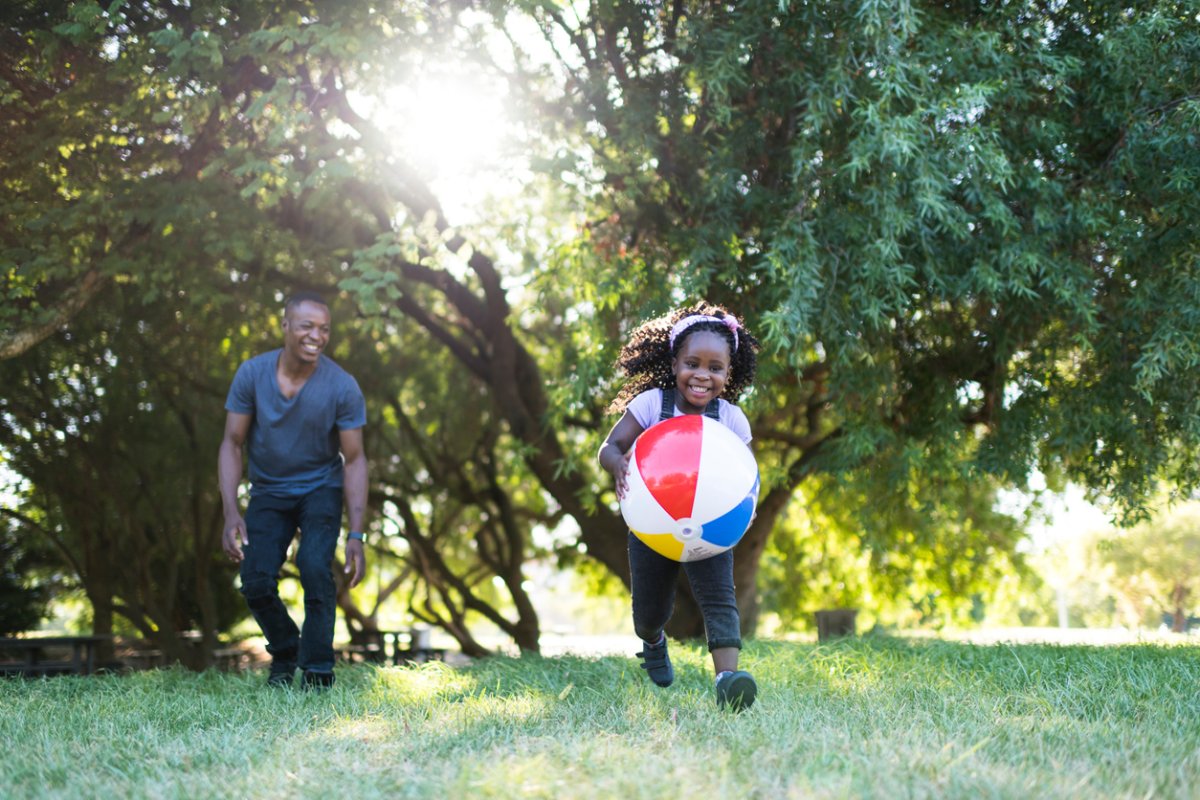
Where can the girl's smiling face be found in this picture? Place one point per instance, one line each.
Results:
(701, 368)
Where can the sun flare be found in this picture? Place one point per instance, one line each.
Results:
(452, 130)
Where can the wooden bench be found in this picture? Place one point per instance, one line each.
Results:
(35, 656)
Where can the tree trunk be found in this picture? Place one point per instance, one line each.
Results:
(747, 556)
(1180, 622)
(102, 623)
(97, 583)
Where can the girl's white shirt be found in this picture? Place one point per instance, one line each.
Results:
(647, 407)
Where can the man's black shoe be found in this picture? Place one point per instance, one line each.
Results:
(283, 667)
(317, 681)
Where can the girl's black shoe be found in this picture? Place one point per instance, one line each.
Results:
(736, 690)
(657, 663)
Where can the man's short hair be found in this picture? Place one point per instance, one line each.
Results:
(303, 297)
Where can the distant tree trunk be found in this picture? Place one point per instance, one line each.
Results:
(747, 556)
(98, 586)
(362, 626)
(1180, 622)
(102, 623)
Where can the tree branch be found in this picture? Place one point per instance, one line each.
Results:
(73, 301)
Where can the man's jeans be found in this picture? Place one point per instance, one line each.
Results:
(271, 524)
(653, 578)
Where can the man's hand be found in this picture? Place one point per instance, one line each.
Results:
(234, 538)
(356, 561)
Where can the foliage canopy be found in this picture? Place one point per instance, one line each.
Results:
(967, 230)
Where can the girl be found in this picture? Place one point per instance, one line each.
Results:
(692, 361)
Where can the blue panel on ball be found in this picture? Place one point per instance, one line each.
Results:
(727, 529)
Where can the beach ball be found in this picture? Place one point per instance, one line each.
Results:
(693, 485)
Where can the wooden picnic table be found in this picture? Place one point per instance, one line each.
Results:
(407, 647)
(33, 656)
(417, 648)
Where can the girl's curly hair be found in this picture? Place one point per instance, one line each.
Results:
(646, 358)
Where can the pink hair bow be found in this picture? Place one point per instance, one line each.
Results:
(729, 321)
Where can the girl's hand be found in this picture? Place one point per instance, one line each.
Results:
(621, 475)
(617, 449)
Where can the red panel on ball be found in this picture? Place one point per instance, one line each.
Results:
(668, 457)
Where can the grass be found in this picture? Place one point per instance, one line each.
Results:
(871, 717)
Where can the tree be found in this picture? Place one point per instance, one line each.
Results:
(966, 231)
(260, 211)
(956, 556)
(449, 486)
(1155, 566)
(27, 577)
(113, 431)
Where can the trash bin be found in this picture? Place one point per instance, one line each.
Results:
(835, 622)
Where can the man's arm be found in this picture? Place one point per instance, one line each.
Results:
(354, 487)
(229, 476)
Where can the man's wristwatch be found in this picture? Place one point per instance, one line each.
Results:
(357, 535)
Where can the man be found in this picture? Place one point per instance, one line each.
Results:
(299, 416)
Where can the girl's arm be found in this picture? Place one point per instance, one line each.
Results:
(614, 453)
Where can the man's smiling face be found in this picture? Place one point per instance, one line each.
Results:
(306, 331)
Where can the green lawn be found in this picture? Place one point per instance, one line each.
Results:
(872, 717)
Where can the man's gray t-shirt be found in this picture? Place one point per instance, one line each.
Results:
(292, 447)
